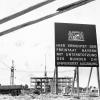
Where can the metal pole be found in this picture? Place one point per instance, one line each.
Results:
(77, 72)
(98, 78)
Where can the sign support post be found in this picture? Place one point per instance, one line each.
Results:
(56, 80)
(73, 82)
(98, 78)
(77, 72)
(89, 79)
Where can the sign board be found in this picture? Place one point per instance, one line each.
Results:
(76, 45)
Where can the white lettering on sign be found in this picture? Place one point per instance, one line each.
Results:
(89, 50)
(77, 59)
(76, 46)
(65, 50)
(66, 63)
(60, 45)
(88, 63)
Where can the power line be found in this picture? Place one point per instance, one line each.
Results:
(8, 18)
(59, 11)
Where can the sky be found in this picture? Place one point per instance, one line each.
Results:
(32, 47)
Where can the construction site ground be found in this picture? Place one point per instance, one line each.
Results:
(44, 97)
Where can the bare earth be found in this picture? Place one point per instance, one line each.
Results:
(43, 97)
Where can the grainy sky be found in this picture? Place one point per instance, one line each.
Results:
(29, 46)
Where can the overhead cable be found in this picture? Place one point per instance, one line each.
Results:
(8, 18)
(59, 11)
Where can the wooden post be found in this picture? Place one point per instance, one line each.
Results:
(77, 72)
(73, 82)
(89, 79)
(54, 82)
(98, 78)
(57, 80)
(41, 85)
(90, 76)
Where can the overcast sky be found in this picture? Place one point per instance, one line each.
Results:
(28, 46)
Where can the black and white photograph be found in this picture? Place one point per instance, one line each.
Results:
(49, 50)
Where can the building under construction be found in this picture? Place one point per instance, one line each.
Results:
(48, 84)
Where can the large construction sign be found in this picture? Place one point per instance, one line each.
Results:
(76, 45)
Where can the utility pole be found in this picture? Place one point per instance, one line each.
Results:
(12, 74)
(45, 73)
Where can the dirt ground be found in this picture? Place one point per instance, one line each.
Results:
(43, 97)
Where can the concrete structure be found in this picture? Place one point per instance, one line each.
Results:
(47, 84)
